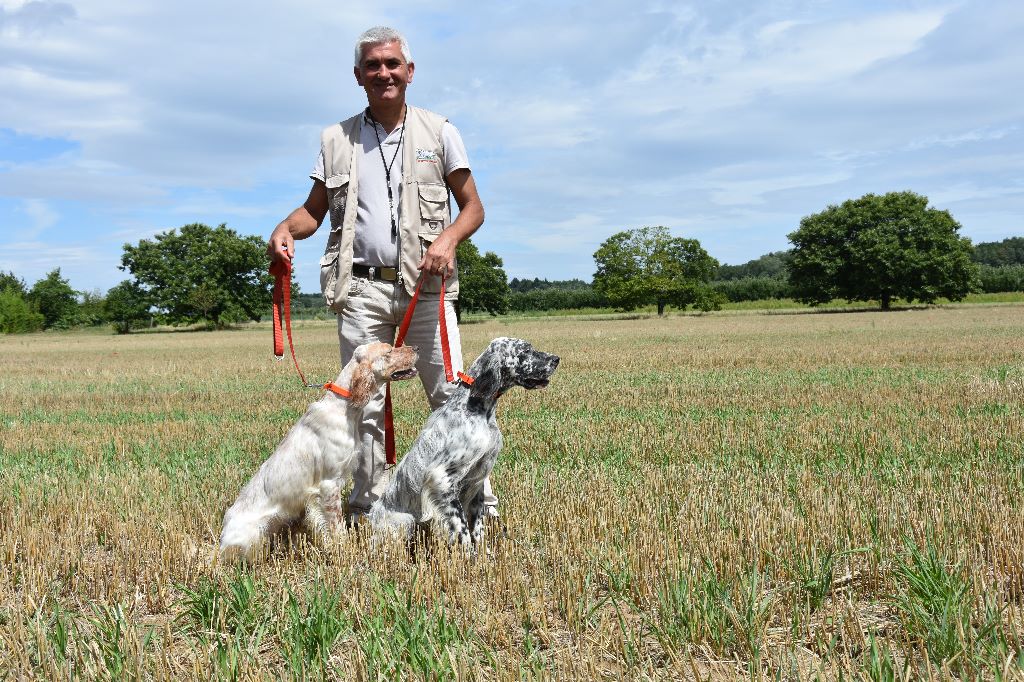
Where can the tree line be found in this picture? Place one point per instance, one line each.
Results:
(875, 248)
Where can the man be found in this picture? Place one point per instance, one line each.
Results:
(384, 176)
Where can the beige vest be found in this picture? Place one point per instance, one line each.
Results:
(424, 209)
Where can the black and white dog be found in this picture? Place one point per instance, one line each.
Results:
(442, 476)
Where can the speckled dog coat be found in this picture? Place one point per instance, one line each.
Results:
(441, 478)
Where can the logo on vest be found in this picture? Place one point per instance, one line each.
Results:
(426, 155)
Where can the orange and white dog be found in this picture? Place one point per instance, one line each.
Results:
(303, 479)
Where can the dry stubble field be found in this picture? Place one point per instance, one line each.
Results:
(717, 497)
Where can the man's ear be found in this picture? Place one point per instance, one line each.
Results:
(412, 67)
(362, 386)
(359, 75)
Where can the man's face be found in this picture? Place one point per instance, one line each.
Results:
(384, 73)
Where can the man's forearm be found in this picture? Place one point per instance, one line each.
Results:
(299, 223)
(469, 220)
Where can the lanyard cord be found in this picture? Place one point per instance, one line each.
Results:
(388, 167)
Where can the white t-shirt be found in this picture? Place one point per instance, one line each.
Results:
(374, 244)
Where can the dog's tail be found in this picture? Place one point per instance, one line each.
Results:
(241, 540)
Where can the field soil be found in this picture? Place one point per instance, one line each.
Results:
(727, 496)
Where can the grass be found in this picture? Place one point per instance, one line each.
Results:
(723, 496)
(768, 305)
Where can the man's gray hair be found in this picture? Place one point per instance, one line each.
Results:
(379, 35)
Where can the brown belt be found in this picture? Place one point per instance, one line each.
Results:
(369, 272)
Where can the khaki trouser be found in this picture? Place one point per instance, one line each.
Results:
(374, 312)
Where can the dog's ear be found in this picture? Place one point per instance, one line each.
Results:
(487, 382)
(363, 386)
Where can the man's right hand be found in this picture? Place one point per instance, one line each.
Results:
(281, 243)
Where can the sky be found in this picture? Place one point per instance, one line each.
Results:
(724, 121)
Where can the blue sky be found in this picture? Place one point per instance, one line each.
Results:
(725, 121)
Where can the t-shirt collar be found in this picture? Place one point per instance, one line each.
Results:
(370, 122)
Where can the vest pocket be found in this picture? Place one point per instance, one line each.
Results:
(329, 265)
(433, 205)
(337, 196)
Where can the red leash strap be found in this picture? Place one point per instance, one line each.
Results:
(446, 356)
(390, 458)
(281, 269)
(407, 319)
(282, 283)
(446, 351)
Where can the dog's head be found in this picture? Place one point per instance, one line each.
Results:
(377, 364)
(511, 362)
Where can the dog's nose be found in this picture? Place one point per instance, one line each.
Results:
(415, 348)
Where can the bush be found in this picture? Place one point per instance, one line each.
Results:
(995, 279)
(556, 298)
(16, 316)
(752, 288)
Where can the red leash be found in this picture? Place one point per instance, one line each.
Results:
(281, 269)
(446, 356)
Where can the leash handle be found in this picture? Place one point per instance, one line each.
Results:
(281, 269)
(276, 297)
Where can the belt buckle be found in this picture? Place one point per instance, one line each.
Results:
(389, 274)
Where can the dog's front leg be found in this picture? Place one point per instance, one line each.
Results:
(450, 510)
(475, 517)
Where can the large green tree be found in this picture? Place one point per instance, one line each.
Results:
(879, 248)
(202, 273)
(55, 300)
(126, 306)
(483, 284)
(649, 265)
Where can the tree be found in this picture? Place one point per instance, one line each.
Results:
(202, 273)
(54, 298)
(16, 315)
(126, 305)
(881, 248)
(769, 265)
(483, 284)
(1010, 251)
(10, 281)
(92, 308)
(649, 265)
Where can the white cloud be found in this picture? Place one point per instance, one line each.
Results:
(726, 121)
(755, 190)
(957, 139)
(41, 217)
(31, 260)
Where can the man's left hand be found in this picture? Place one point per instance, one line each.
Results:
(439, 257)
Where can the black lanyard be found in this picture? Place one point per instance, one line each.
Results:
(387, 166)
